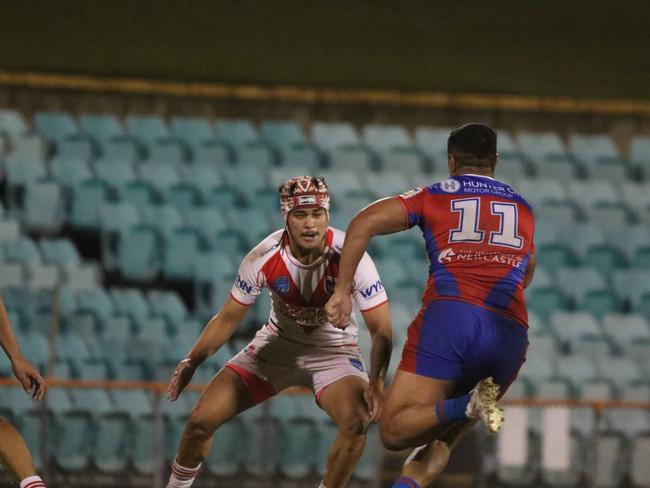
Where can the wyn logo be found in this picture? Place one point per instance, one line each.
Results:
(243, 286)
(372, 289)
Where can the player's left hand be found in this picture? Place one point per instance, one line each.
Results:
(339, 309)
(374, 397)
(29, 378)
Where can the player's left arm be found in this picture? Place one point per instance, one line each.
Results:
(530, 269)
(384, 216)
(379, 324)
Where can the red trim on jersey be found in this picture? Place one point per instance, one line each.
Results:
(374, 306)
(259, 388)
(241, 303)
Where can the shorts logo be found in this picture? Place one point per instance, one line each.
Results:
(357, 364)
(307, 200)
(281, 284)
(330, 283)
(450, 186)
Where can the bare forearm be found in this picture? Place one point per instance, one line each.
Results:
(7, 337)
(356, 241)
(382, 346)
(215, 334)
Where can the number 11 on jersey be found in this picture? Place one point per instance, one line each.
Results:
(469, 225)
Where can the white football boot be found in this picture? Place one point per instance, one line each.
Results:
(483, 405)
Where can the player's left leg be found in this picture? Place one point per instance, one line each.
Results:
(343, 401)
(15, 456)
(427, 462)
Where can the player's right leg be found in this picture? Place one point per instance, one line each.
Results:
(15, 456)
(225, 396)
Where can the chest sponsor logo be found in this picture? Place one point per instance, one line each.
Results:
(372, 290)
(450, 186)
(330, 283)
(446, 255)
(243, 286)
(357, 363)
(281, 284)
(307, 317)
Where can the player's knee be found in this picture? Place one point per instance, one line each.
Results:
(353, 423)
(391, 437)
(200, 424)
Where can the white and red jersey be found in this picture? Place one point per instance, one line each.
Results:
(299, 292)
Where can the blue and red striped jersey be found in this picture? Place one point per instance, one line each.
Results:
(479, 238)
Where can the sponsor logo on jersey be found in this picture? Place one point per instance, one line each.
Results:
(281, 284)
(450, 186)
(411, 193)
(372, 289)
(243, 286)
(357, 364)
(446, 255)
(306, 317)
(330, 283)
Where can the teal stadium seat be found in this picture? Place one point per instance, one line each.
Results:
(111, 443)
(122, 148)
(192, 130)
(433, 142)
(247, 146)
(70, 171)
(86, 202)
(55, 125)
(600, 156)
(101, 127)
(548, 155)
(640, 155)
(147, 128)
(78, 147)
(12, 122)
(168, 151)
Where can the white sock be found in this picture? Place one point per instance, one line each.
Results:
(32, 482)
(322, 485)
(182, 477)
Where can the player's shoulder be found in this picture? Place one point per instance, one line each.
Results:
(338, 238)
(266, 248)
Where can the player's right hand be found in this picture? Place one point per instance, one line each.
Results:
(29, 377)
(339, 309)
(181, 376)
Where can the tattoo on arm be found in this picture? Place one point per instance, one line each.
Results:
(382, 347)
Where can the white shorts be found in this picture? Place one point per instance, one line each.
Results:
(270, 363)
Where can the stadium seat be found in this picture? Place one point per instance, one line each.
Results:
(131, 302)
(639, 466)
(55, 125)
(21, 173)
(167, 151)
(599, 155)
(248, 180)
(227, 450)
(111, 443)
(433, 142)
(123, 148)
(73, 441)
(161, 175)
(331, 135)
(147, 128)
(181, 246)
(86, 203)
(69, 172)
(77, 147)
(12, 122)
(139, 256)
(620, 370)
(629, 422)
(101, 127)
(640, 154)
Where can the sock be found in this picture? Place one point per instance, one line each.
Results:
(405, 482)
(32, 482)
(452, 410)
(322, 485)
(182, 477)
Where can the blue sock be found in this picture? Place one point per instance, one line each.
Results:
(405, 482)
(452, 410)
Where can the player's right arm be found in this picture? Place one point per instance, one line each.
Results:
(27, 374)
(215, 334)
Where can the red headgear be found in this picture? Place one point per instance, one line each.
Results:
(303, 192)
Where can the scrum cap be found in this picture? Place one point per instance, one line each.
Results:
(303, 192)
